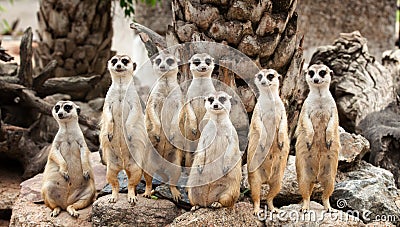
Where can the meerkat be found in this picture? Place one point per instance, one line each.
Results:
(162, 118)
(214, 179)
(68, 182)
(123, 134)
(318, 141)
(267, 161)
(201, 67)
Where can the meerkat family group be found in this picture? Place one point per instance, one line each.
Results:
(194, 131)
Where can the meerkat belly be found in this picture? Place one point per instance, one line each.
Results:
(319, 119)
(71, 150)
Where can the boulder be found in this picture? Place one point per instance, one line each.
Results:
(354, 147)
(368, 190)
(146, 212)
(29, 209)
(359, 84)
(241, 214)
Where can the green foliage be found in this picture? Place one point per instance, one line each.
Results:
(127, 6)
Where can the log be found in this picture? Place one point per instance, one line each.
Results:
(4, 56)
(151, 39)
(25, 70)
(47, 73)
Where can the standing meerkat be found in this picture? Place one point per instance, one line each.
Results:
(68, 181)
(318, 141)
(122, 115)
(267, 161)
(201, 67)
(162, 118)
(214, 179)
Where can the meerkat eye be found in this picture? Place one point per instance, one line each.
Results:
(259, 76)
(57, 108)
(222, 99)
(67, 108)
(270, 76)
(208, 61)
(210, 99)
(114, 61)
(170, 61)
(322, 73)
(158, 61)
(125, 61)
(196, 62)
(311, 73)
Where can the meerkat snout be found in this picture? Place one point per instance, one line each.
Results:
(121, 63)
(218, 102)
(267, 77)
(165, 62)
(65, 110)
(202, 63)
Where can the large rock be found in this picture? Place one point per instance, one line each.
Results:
(360, 84)
(368, 190)
(391, 60)
(146, 212)
(241, 214)
(354, 147)
(29, 209)
(382, 129)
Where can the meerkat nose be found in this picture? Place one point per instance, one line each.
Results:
(215, 106)
(203, 69)
(263, 83)
(60, 115)
(118, 66)
(162, 67)
(316, 80)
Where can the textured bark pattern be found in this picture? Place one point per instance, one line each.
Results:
(382, 129)
(157, 17)
(360, 84)
(265, 31)
(391, 60)
(75, 33)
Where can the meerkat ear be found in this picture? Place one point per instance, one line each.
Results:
(134, 66)
(78, 110)
(229, 97)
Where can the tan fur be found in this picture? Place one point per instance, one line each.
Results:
(318, 141)
(201, 67)
(162, 119)
(268, 148)
(214, 179)
(123, 114)
(68, 181)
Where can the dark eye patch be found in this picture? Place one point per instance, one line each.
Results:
(170, 61)
(196, 62)
(222, 99)
(57, 108)
(210, 99)
(114, 61)
(68, 108)
(322, 73)
(259, 76)
(158, 61)
(311, 73)
(270, 77)
(208, 61)
(125, 61)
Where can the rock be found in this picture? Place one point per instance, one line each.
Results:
(368, 190)
(146, 212)
(317, 216)
(10, 179)
(8, 69)
(29, 209)
(359, 84)
(391, 60)
(354, 147)
(382, 129)
(241, 214)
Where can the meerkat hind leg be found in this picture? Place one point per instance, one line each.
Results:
(134, 174)
(83, 202)
(174, 178)
(305, 188)
(255, 188)
(55, 212)
(149, 185)
(274, 188)
(328, 186)
(112, 179)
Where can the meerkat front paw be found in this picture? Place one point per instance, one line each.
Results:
(86, 175)
(328, 144)
(154, 136)
(71, 210)
(226, 169)
(110, 136)
(64, 173)
(216, 205)
(194, 131)
(200, 169)
(280, 145)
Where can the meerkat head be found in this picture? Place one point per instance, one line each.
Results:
(267, 78)
(318, 75)
(121, 65)
(218, 102)
(65, 111)
(166, 64)
(201, 65)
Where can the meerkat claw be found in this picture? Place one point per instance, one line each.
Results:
(280, 145)
(110, 137)
(86, 175)
(308, 145)
(199, 169)
(194, 131)
(157, 138)
(328, 144)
